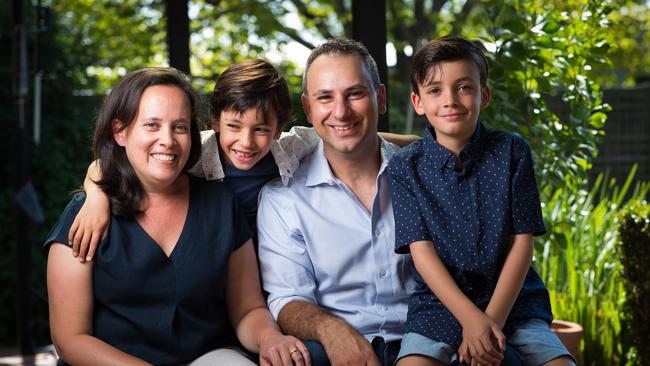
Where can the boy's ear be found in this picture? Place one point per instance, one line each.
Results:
(485, 97)
(215, 124)
(305, 107)
(118, 132)
(417, 104)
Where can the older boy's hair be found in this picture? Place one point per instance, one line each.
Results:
(252, 83)
(346, 47)
(448, 48)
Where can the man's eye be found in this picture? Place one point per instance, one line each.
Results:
(323, 98)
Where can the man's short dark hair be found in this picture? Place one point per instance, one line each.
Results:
(346, 47)
(448, 48)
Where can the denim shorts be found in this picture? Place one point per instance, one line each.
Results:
(533, 340)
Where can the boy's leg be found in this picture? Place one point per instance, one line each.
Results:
(538, 345)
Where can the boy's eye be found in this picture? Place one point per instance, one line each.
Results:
(262, 130)
(465, 87)
(232, 125)
(433, 91)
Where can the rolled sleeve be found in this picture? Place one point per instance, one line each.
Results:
(287, 271)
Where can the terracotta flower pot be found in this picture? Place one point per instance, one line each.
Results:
(570, 334)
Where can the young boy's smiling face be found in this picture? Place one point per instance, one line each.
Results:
(451, 98)
(245, 138)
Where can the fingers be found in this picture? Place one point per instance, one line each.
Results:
(72, 237)
(486, 353)
(296, 356)
(463, 353)
(304, 353)
(500, 339)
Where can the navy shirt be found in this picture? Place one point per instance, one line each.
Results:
(246, 184)
(470, 215)
(165, 310)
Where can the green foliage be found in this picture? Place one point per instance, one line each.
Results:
(634, 232)
(546, 53)
(580, 265)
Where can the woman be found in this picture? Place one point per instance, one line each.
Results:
(177, 263)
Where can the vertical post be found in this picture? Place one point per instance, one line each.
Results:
(178, 34)
(369, 28)
(23, 172)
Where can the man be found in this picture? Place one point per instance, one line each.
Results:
(327, 239)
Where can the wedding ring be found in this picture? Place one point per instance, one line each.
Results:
(294, 350)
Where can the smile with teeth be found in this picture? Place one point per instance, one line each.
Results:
(164, 157)
(343, 129)
(241, 155)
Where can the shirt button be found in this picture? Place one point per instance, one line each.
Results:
(385, 307)
(377, 232)
(382, 273)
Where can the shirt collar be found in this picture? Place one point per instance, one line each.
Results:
(444, 157)
(213, 167)
(320, 172)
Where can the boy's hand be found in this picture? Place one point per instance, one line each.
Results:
(483, 341)
(89, 227)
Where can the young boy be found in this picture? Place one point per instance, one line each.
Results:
(466, 207)
(249, 107)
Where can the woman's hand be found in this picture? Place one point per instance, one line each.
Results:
(280, 350)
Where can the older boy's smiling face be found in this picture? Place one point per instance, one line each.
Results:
(451, 98)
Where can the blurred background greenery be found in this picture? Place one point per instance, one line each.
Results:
(550, 63)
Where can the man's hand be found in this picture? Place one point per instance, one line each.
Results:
(347, 347)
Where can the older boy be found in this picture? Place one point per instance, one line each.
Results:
(466, 207)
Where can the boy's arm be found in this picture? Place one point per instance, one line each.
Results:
(397, 139)
(91, 224)
(478, 329)
(511, 278)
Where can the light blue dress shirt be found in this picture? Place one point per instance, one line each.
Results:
(318, 243)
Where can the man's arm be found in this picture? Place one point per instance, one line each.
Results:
(343, 344)
(288, 275)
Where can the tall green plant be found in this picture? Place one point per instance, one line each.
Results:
(543, 53)
(580, 265)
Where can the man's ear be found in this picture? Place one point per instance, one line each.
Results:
(381, 99)
(305, 107)
(119, 132)
(417, 103)
(485, 97)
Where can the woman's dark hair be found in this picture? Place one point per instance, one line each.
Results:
(252, 83)
(120, 107)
